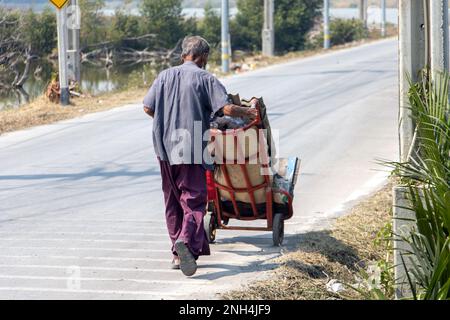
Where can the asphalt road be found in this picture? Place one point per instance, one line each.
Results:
(81, 211)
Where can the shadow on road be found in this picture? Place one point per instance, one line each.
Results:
(93, 173)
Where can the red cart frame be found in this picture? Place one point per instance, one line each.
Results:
(218, 218)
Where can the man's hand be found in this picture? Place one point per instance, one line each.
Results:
(149, 111)
(252, 113)
(240, 112)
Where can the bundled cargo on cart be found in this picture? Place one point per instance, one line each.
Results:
(249, 182)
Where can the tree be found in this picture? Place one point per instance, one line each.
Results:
(210, 26)
(24, 37)
(124, 26)
(93, 29)
(246, 27)
(190, 26)
(293, 19)
(164, 19)
(39, 31)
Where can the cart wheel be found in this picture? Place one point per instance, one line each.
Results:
(278, 229)
(209, 222)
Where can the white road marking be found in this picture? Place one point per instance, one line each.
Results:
(92, 220)
(86, 233)
(97, 249)
(88, 240)
(219, 240)
(86, 248)
(100, 292)
(71, 225)
(40, 266)
(188, 281)
(205, 260)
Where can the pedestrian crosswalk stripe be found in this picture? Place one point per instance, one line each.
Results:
(87, 240)
(81, 219)
(205, 261)
(158, 294)
(140, 234)
(86, 249)
(188, 281)
(99, 249)
(38, 266)
(144, 270)
(83, 226)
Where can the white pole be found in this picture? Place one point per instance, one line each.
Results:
(412, 52)
(268, 34)
(363, 12)
(225, 36)
(326, 24)
(412, 56)
(439, 47)
(76, 40)
(62, 55)
(383, 18)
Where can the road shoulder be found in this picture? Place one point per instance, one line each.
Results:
(324, 263)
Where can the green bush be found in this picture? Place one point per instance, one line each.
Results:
(124, 26)
(293, 19)
(210, 26)
(93, 23)
(29, 29)
(341, 31)
(163, 18)
(39, 30)
(246, 27)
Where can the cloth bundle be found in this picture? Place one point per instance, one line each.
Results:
(256, 173)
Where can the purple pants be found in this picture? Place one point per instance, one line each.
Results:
(185, 196)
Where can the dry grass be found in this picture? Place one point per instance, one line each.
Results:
(324, 255)
(42, 111)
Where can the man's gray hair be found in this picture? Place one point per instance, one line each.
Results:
(194, 46)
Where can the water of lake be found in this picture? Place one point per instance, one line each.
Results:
(97, 80)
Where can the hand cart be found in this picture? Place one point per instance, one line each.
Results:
(221, 211)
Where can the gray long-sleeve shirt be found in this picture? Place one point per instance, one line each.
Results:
(183, 99)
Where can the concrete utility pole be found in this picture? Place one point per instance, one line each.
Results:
(439, 47)
(383, 18)
(412, 57)
(363, 12)
(61, 20)
(74, 53)
(226, 46)
(268, 33)
(326, 24)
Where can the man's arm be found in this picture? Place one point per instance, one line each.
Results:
(151, 99)
(149, 111)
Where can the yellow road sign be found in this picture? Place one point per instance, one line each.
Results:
(59, 3)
